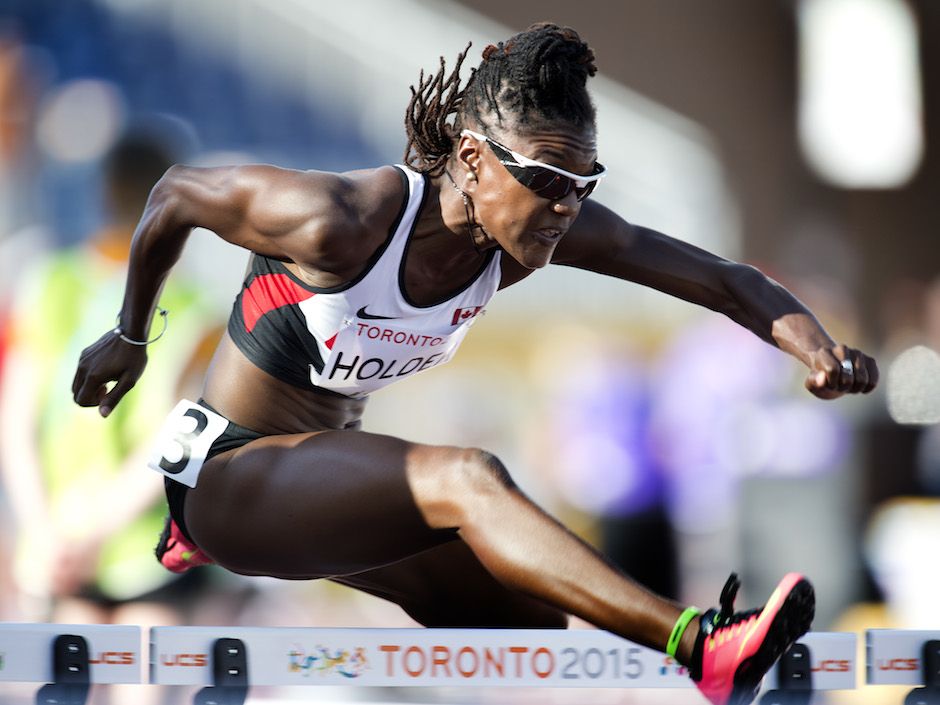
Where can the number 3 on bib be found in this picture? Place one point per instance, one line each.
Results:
(184, 441)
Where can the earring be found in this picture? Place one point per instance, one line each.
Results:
(471, 176)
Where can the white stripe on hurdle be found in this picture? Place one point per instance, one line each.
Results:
(114, 652)
(406, 657)
(894, 655)
(449, 657)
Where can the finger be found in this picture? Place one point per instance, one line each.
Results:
(818, 385)
(78, 380)
(816, 380)
(81, 371)
(860, 369)
(831, 366)
(847, 371)
(113, 398)
(873, 374)
(846, 378)
(90, 392)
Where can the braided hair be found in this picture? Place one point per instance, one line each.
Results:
(535, 80)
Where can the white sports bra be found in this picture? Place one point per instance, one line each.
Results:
(363, 335)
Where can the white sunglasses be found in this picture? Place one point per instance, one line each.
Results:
(545, 180)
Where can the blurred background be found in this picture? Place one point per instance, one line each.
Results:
(798, 135)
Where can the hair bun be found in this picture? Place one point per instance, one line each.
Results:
(566, 47)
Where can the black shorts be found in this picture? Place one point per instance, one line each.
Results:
(234, 436)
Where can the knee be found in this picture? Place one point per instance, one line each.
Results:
(479, 472)
(477, 479)
(450, 489)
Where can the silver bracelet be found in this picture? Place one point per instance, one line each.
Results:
(120, 333)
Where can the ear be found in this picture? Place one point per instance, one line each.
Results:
(468, 156)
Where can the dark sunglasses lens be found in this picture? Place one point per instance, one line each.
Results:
(544, 182)
(585, 191)
(550, 185)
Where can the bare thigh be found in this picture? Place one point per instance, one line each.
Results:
(315, 505)
(447, 586)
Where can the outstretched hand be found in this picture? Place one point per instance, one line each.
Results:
(841, 370)
(107, 360)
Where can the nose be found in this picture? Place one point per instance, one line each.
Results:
(567, 206)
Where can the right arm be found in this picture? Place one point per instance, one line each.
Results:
(263, 209)
(309, 218)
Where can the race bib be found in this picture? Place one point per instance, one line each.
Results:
(184, 440)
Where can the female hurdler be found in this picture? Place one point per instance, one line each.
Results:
(364, 278)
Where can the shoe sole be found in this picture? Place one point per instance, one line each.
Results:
(791, 622)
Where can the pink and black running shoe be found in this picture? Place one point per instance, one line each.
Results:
(176, 553)
(734, 650)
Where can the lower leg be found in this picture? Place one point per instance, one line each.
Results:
(529, 551)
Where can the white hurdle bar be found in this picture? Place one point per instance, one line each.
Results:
(574, 658)
(114, 652)
(894, 656)
(451, 657)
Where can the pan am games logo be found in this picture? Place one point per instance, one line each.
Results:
(342, 662)
(671, 666)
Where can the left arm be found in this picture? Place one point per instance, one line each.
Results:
(601, 241)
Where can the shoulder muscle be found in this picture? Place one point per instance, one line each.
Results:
(303, 216)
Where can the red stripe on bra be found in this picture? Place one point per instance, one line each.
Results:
(268, 292)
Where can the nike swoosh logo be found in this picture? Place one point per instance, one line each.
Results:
(361, 313)
(769, 608)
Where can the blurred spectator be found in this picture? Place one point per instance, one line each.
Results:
(7, 611)
(740, 443)
(598, 453)
(903, 439)
(21, 80)
(928, 446)
(86, 510)
(904, 451)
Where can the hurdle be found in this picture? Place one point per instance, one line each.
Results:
(575, 658)
(96, 653)
(69, 658)
(227, 661)
(905, 657)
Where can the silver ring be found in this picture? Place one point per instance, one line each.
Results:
(848, 367)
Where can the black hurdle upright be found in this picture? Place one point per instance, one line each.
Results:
(795, 679)
(229, 675)
(930, 668)
(71, 679)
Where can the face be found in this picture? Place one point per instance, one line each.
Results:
(526, 225)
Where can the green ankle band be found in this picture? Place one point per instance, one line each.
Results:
(677, 631)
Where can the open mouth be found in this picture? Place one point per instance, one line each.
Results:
(548, 235)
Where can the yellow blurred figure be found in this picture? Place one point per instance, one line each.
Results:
(87, 512)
